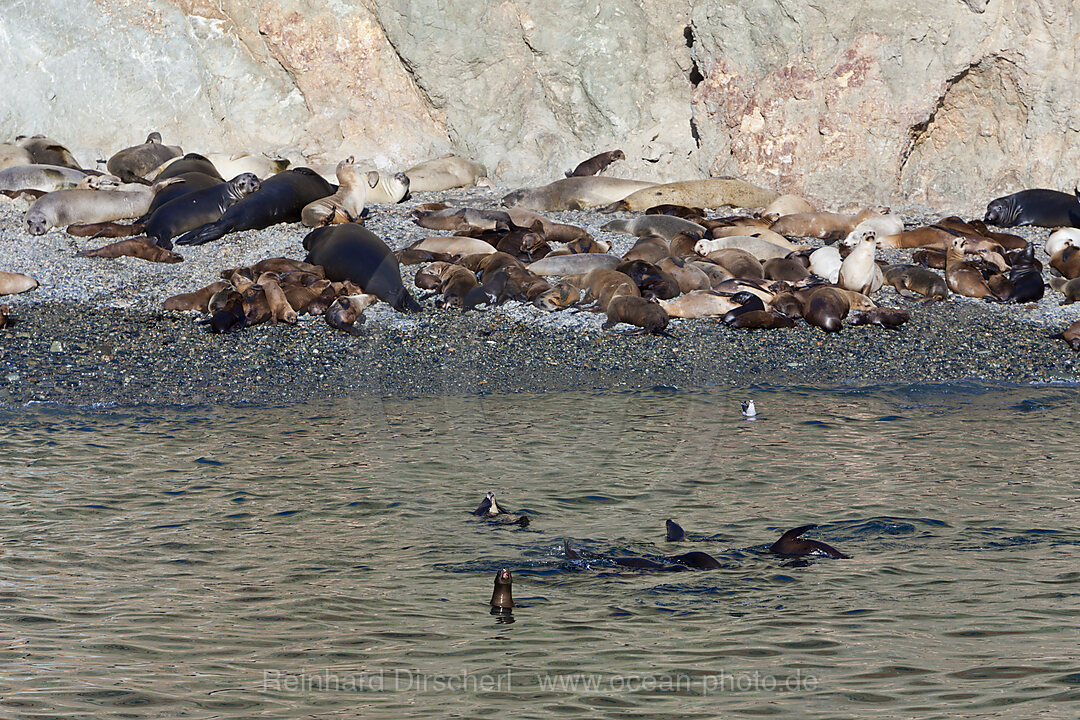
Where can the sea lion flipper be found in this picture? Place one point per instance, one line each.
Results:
(795, 532)
(569, 551)
(675, 532)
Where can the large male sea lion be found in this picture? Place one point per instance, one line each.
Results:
(352, 252)
(1045, 208)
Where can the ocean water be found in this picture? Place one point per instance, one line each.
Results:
(320, 560)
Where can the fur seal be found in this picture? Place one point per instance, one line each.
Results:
(14, 283)
(280, 199)
(707, 193)
(1045, 208)
(196, 209)
(596, 164)
(888, 318)
(673, 531)
(665, 226)
(633, 310)
(445, 173)
(963, 277)
(791, 544)
(576, 193)
(380, 187)
(1070, 335)
(46, 151)
(346, 313)
(133, 164)
(345, 205)
(911, 279)
(561, 265)
(65, 207)
(40, 177)
(502, 601)
(352, 252)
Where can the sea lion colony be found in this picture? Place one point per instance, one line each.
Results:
(751, 267)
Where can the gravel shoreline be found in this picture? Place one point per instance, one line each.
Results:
(94, 333)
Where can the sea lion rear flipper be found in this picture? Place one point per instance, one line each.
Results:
(675, 532)
(904, 292)
(204, 234)
(570, 553)
(795, 532)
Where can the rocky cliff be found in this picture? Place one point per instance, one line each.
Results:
(941, 102)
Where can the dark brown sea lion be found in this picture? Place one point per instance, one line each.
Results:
(787, 269)
(190, 163)
(197, 300)
(825, 306)
(226, 309)
(197, 208)
(673, 532)
(141, 248)
(762, 320)
(352, 252)
(1045, 208)
(347, 312)
(888, 318)
(502, 601)
(633, 310)
(1025, 277)
(963, 277)
(6, 318)
(596, 164)
(650, 279)
(791, 544)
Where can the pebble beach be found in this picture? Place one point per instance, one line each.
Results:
(94, 332)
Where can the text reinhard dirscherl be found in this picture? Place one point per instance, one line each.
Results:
(415, 681)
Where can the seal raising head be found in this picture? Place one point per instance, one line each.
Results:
(502, 601)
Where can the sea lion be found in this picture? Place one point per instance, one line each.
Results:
(14, 283)
(444, 173)
(1069, 288)
(888, 318)
(226, 310)
(140, 248)
(761, 249)
(462, 219)
(826, 307)
(880, 225)
(747, 302)
(1070, 335)
(1045, 208)
(911, 279)
(453, 245)
(786, 205)
(1025, 277)
(347, 311)
(576, 193)
(673, 531)
(650, 248)
(557, 297)
(686, 213)
(345, 205)
(260, 165)
(65, 207)
(46, 178)
(650, 279)
(665, 226)
(688, 276)
(196, 209)
(46, 151)
(280, 309)
(188, 182)
(456, 282)
(1067, 260)
(740, 263)
(786, 269)
(502, 601)
(280, 199)
(791, 544)
(192, 162)
(858, 271)
(761, 320)
(596, 164)
(352, 252)
(698, 304)
(962, 277)
(133, 164)
(750, 231)
(822, 225)
(604, 285)
(560, 265)
(385, 188)
(197, 300)
(490, 510)
(682, 245)
(6, 318)
(13, 155)
(707, 193)
(1058, 238)
(697, 560)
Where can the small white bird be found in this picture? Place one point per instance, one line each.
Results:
(748, 409)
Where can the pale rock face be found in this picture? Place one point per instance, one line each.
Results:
(942, 103)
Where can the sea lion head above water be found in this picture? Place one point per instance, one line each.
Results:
(502, 600)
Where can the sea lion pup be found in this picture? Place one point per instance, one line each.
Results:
(195, 209)
(446, 172)
(673, 532)
(140, 248)
(858, 271)
(707, 193)
(1025, 277)
(825, 306)
(226, 310)
(791, 544)
(192, 162)
(603, 285)
(888, 318)
(280, 199)
(490, 509)
(1067, 260)
(558, 297)
(346, 205)
(133, 164)
(1058, 238)
(665, 226)
(762, 250)
(911, 279)
(740, 263)
(786, 205)
(581, 247)
(346, 313)
(688, 276)
(65, 207)
(280, 309)
(682, 245)
(1069, 288)
(352, 252)
(1045, 208)
(524, 245)
(15, 283)
(963, 277)
(787, 269)
(313, 299)
(761, 320)
(747, 302)
(596, 164)
(560, 265)
(45, 178)
(456, 282)
(260, 164)
(576, 193)
(6, 318)
(462, 220)
(698, 304)
(46, 151)
(12, 155)
(650, 279)
(650, 248)
(502, 601)
(196, 300)
(1070, 335)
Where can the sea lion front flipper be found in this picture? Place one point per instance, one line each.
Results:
(570, 553)
(795, 532)
(675, 532)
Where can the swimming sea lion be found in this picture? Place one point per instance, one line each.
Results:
(196, 209)
(560, 265)
(576, 193)
(352, 252)
(14, 283)
(133, 164)
(596, 164)
(502, 601)
(345, 205)
(140, 248)
(707, 193)
(280, 198)
(490, 509)
(1045, 208)
(791, 544)
(444, 173)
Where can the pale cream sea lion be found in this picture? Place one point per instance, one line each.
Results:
(575, 193)
(561, 265)
(698, 304)
(761, 249)
(786, 205)
(345, 205)
(13, 283)
(40, 177)
(707, 193)
(858, 271)
(444, 173)
(261, 165)
(454, 245)
(65, 207)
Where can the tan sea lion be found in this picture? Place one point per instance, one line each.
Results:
(646, 314)
(603, 285)
(14, 283)
(46, 151)
(740, 263)
(347, 312)
(707, 193)
(596, 164)
(576, 193)
(141, 248)
(453, 245)
(12, 155)
(962, 277)
(785, 269)
(858, 271)
(561, 265)
(1070, 288)
(699, 304)
(345, 205)
(823, 225)
(1070, 335)
(280, 309)
(911, 279)
(1067, 260)
(744, 230)
(650, 248)
(888, 318)
(688, 276)
(196, 300)
(444, 173)
(786, 205)
(558, 296)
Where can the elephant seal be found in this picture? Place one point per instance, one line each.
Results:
(45, 151)
(453, 245)
(133, 164)
(1070, 335)
(192, 162)
(345, 205)
(596, 164)
(911, 279)
(352, 252)
(14, 283)
(561, 265)
(502, 601)
(65, 207)
(635, 310)
(673, 532)
(13, 155)
(665, 226)
(195, 209)
(380, 187)
(1045, 208)
(791, 544)
(280, 199)
(40, 177)
(576, 193)
(188, 182)
(445, 173)
(140, 248)
(708, 193)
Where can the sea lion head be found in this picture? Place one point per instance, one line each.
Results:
(1001, 212)
(502, 601)
(244, 184)
(511, 199)
(36, 223)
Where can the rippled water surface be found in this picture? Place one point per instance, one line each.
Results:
(320, 560)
